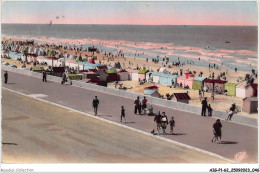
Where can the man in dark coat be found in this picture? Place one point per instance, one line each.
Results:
(95, 105)
(217, 131)
(157, 121)
(204, 106)
(137, 105)
(44, 76)
(6, 76)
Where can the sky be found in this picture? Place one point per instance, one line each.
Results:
(242, 13)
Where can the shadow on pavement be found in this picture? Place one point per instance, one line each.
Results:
(129, 122)
(9, 143)
(178, 134)
(228, 142)
(105, 115)
(11, 83)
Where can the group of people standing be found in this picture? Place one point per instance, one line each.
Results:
(161, 122)
(206, 106)
(140, 105)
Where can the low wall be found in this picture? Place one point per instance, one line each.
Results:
(152, 100)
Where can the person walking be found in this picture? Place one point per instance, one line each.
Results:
(137, 104)
(212, 95)
(6, 77)
(200, 95)
(164, 122)
(209, 111)
(122, 113)
(95, 104)
(232, 111)
(144, 104)
(204, 106)
(44, 76)
(217, 131)
(172, 124)
(157, 122)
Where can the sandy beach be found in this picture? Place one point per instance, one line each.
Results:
(221, 102)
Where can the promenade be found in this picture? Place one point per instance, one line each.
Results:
(191, 129)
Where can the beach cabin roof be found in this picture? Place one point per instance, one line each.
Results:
(201, 79)
(102, 67)
(143, 71)
(31, 54)
(220, 81)
(242, 85)
(181, 96)
(153, 93)
(151, 87)
(149, 92)
(71, 60)
(123, 70)
(189, 75)
(215, 81)
(132, 71)
(231, 84)
(52, 57)
(111, 71)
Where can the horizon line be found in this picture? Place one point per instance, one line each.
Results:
(124, 24)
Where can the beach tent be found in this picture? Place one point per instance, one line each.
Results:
(219, 86)
(92, 60)
(163, 70)
(185, 82)
(102, 75)
(250, 105)
(90, 75)
(72, 57)
(112, 75)
(189, 75)
(209, 84)
(142, 74)
(180, 97)
(133, 74)
(244, 90)
(198, 82)
(41, 52)
(231, 88)
(154, 88)
(167, 79)
(123, 75)
(154, 75)
(15, 55)
(152, 93)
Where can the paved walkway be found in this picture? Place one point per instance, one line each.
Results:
(190, 129)
(57, 135)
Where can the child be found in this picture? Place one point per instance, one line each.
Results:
(209, 111)
(123, 113)
(172, 124)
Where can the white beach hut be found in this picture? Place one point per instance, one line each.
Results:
(244, 90)
(133, 74)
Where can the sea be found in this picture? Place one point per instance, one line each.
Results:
(228, 47)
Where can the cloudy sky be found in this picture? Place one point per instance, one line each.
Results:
(131, 13)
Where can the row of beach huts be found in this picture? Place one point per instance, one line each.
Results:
(88, 69)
